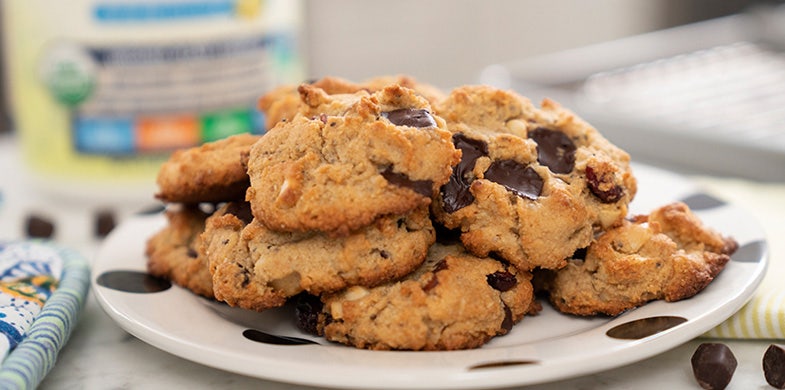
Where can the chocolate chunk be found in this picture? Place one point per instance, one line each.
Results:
(422, 187)
(434, 280)
(521, 179)
(241, 210)
(555, 149)
(431, 283)
(410, 117)
(713, 365)
(456, 194)
(774, 366)
(37, 226)
(104, 223)
(307, 309)
(501, 280)
(441, 265)
(507, 322)
(602, 187)
(192, 253)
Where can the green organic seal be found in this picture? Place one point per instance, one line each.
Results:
(68, 74)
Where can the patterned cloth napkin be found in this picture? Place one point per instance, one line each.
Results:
(42, 290)
(764, 316)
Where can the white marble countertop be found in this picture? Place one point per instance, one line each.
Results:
(101, 355)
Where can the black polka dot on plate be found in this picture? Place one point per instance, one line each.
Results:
(701, 201)
(644, 327)
(266, 338)
(132, 282)
(503, 363)
(751, 252)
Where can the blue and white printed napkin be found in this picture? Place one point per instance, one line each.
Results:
(42, 290)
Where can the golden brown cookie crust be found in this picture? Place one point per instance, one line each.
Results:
(575, 198)
(173, 253)
(256, 268)
(212, 172)
(339, 173)
(454, 301)
(669, 254)
(285, 102)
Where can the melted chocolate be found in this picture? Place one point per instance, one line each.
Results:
(422, 187)
(555, 149)
(132, 282)
(521, 179)
(410, 117)
(456, 194)
(508, 322)
(501, 280)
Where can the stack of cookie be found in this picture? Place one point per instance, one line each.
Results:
(401, 218)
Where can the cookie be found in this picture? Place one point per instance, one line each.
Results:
(212, 172)
(256, 268)
(534, 184)
(669, 254)
(453, 301)
(431, 93)
(284, 102)
(173, 254)
(387, 155)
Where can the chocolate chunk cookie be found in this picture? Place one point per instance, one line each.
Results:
(387, 155)
(534, 184)
(212, 172)
(453, 301)
(173, 252)
(668, 255)
(283, 103)
(256, 268)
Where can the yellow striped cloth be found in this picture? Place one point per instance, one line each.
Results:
(763, 317)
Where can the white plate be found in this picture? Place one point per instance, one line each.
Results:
(547, 347)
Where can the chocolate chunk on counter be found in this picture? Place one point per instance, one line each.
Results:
(104, 223)
(774, 366)
(713, 365)
(37, 226)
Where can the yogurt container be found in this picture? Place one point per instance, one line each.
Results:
(102, 91)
